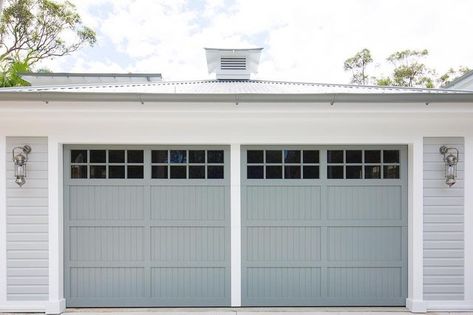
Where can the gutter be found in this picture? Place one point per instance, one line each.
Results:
(238, 98)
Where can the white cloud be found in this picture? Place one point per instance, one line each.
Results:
(304, 40)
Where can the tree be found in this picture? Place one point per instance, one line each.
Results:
(357, 65)
(452, 74)
(409, 70)
(34, 30)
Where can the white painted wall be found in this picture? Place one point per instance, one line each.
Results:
(225, 123)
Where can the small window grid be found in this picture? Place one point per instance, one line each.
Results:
(275, 166)
(366, 168)
(188, 167)
(104, 169)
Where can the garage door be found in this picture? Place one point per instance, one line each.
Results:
(324, 226)
(146, 226)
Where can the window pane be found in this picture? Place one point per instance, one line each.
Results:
(135, 156)
(311, 172)
(253, 172)
(353, 156)
(135, 171)
(78, 171)
(391, 156)
(214, 171)
(372, 156)
(373, 171)
(78, 156)
(178, 156)
(197, 171)
(159, 171)
(97, 156)
(178, 171)
(159, 156)
(311, 156)
(215, 156)
(97, 171)
(335, 156)
(196, 156)
(292, 156)
(116, 156)
(274, 171)
(354, 172)
(334, 172)
(253, 156)
(292, 171)
(273, 156)
(116, 171)
(391, 171)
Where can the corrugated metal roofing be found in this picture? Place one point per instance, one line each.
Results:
(229, 87)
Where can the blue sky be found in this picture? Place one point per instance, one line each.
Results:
(303, 40)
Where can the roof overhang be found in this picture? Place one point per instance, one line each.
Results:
(247, 98)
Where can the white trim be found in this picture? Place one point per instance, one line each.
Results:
(235, 243)
(449, 306)
(415, 255)
(56, 304)
(468, 219)
(23, 306)
(3, 221)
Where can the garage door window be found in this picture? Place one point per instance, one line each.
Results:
(363, 164)
(282, 164)
(187, 164)
(103, 164)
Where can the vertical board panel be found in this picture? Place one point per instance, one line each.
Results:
(322, 242)
(27, 224)
(146, 242)
(443, 224)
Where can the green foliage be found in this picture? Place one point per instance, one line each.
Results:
(34, 30)
(357, 65)
(452, 74)
(409, 70)
(10, 76)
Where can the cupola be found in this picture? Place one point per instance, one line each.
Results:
(233, 64)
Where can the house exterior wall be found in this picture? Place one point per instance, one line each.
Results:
(444, 257)
(27, 224)
(245, 124)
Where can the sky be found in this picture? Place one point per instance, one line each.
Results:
(303, 40)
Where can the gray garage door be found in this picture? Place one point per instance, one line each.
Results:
(146, 226)
(324, 226)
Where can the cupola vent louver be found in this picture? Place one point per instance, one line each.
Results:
(233, 64)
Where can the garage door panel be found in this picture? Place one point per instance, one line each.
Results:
(364, 243)
(106, 202)
(369, 283)
(364, 202)
(188, 283)
(138, 233)
(177, 202)
(283, 202)
(337, 237)
(107, 243)
(188, 244)
(283, 244)
(266, 283)
(107, 282)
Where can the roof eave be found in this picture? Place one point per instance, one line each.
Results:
(230, 97)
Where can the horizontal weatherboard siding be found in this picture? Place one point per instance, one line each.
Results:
(27, 224)
(443, 224)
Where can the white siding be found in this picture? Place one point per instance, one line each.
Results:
(27, 224)
(443, 224)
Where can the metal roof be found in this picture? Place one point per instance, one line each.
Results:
(229, 89)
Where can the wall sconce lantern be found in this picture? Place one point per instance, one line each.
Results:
(450, 158)
(20, 157)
